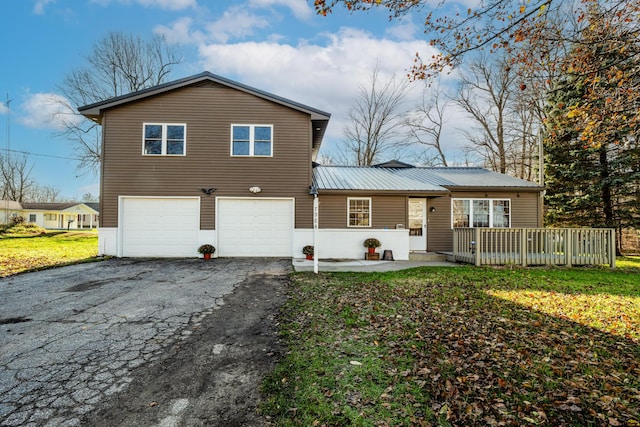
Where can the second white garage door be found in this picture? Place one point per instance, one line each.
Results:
(255, 227)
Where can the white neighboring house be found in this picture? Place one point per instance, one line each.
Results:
(70, 216)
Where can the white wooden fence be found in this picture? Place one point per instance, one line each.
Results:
(535, 246)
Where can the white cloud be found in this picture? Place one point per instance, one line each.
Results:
(169, 4)
(180, 32)
(48, 111)
(300, 8)
(324, 76)
(406, 29)
(38, 8)
(160, 4)
(236, 22)
(3, 108)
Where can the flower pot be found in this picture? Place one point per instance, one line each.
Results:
(207, 256)
(309, 257)
(372, 250)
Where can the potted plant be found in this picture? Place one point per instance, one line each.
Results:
(372, 243)
(206, 250)
(308, 251)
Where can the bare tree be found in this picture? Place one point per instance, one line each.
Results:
(89, 198)
(43, 194)
(425, 125)
(484, 93)
(120, 63)
(375, 120)
(15, 174)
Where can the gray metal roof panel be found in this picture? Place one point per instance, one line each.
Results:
(367, 179)
(465, 177)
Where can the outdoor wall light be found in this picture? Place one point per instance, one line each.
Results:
(432, 209)
(255, 190)
(208, 191)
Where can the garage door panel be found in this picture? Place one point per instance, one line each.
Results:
(248, 227)
(162, 227)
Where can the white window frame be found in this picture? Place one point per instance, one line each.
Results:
(491, 211)
(252, 141)
(368, 199)
(164, 139)
(34, 216)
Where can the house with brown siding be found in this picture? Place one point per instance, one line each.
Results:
(208, 160)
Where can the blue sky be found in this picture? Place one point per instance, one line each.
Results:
(280, 46)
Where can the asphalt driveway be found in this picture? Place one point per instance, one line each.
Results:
(138, 342)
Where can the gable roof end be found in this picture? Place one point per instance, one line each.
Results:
(319, 118)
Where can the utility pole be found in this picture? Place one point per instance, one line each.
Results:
(7, 157)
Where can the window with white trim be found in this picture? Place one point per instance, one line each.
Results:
(50, 217)
(480, 213)
(164, 139)
(252, 140)
(32, 217)
(359, 212)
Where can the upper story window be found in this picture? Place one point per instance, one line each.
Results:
(480, 213)
(164, 139)
(359, 212)
(252, 140)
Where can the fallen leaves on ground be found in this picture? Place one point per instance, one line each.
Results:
(438, 348)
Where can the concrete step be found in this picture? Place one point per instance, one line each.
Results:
(427, 256)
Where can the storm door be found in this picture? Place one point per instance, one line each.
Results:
(418, 224)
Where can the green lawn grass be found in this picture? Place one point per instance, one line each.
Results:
(26, 251)
(460, 346)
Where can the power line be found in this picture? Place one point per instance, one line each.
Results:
(41, 155)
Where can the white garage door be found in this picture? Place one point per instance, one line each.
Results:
(255, 227)
(160, 227)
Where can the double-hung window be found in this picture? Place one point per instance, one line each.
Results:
(480, 213)
(359, 211)
(164, 139)
(252, 140)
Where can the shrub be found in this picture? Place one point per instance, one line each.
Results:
(206, 249)
(372, 242)
(16, 220)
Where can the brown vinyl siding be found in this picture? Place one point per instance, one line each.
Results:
(524, 213)
(386, 211)
(208, 110)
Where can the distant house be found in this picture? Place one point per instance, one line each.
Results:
(70, 215)
(208, 160)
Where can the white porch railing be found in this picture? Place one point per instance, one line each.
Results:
(535, 246)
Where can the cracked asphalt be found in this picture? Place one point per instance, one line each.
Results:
(139, 342)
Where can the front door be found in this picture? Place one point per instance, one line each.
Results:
(418, 224)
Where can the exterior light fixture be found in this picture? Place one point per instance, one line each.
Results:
(432, 209)
(255, 190)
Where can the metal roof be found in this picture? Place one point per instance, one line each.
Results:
(367, 178)
(465, 177)
(423, 179)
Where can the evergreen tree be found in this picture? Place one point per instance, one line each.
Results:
(592, 153)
